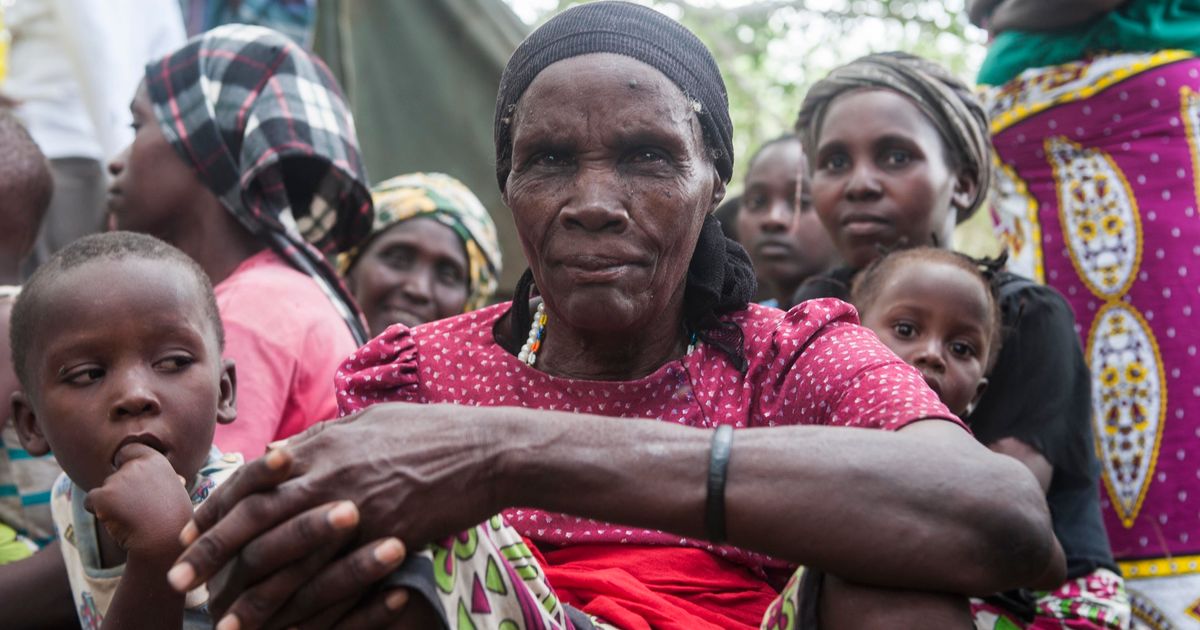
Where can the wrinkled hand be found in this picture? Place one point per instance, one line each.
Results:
(143, 505)
(416, 472)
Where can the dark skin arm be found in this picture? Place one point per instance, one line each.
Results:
(35, 592)
(142, 506)
(1036, 15)
(1043, 471)
(902, 486)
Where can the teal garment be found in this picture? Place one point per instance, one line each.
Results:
(1136, 26)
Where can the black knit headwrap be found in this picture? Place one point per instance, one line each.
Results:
(944, 99)
(720, 278)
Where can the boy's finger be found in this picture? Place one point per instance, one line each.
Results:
(345, 579)
(260, 475)
(376, 613)
(130, 452)
(248, 519)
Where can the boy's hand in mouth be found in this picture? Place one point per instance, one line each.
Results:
(142, 505)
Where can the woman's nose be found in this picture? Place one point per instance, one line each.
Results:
(596, 205)
(863, 183)
(417, 285)
(117, 164)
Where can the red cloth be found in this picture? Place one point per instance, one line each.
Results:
(286, 340)
(638, 587)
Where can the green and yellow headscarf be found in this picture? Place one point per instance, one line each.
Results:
(450, 203)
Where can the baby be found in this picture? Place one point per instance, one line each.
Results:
(117, 343)
(936, 310)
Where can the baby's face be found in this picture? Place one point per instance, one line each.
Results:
(937, 318)
(123, 352)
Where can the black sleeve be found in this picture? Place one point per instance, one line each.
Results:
(1039, 391)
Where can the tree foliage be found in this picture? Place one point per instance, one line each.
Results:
(770, 51)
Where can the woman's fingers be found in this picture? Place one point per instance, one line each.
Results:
(252, 516)
(380, 612)
(328, 526)
(256, 586)
(346, 579)
(260, 475)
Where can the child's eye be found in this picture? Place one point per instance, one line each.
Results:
(904, 330)
(962, 349)
(85, 375)
(175, 363)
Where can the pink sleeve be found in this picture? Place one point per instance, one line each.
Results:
(835, 372)
(384, 370)
(265, 373)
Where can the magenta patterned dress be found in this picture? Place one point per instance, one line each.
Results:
(811, 365)
(1097, 194)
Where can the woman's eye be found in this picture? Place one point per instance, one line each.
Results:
(550, 159)
(836, 162)
(400, 258)
(897, 157)
(450, 274)
(904, 330)
(646, 156)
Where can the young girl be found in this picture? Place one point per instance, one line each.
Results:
(936, 310)
(776, 223)
(899, 153)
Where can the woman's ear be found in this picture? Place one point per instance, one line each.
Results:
(966, 184)
(718, 190)
(25, 420)
(227, 404)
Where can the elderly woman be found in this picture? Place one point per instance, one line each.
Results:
(432, 253)
(726, 439)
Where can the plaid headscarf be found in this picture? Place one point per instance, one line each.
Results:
(267, 129)
(945, 100)
(449, 202)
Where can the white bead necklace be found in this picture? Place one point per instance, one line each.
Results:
(537, 333)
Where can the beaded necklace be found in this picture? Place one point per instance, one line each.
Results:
(537, 333)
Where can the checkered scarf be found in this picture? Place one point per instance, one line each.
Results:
(267, 129)
(449, 202)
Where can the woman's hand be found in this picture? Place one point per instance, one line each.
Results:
(416, 472)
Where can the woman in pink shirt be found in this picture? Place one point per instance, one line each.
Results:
(640, 447)
(245, 158)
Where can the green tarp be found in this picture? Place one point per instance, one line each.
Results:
(421, 76)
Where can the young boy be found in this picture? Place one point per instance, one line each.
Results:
(117, 343)
(25, 191)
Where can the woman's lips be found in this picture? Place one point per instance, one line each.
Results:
(592, 269)
(864, 226)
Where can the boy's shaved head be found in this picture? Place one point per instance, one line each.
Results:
(105, 246)
(25, 186)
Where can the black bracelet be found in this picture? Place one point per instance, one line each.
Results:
(718, 466)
